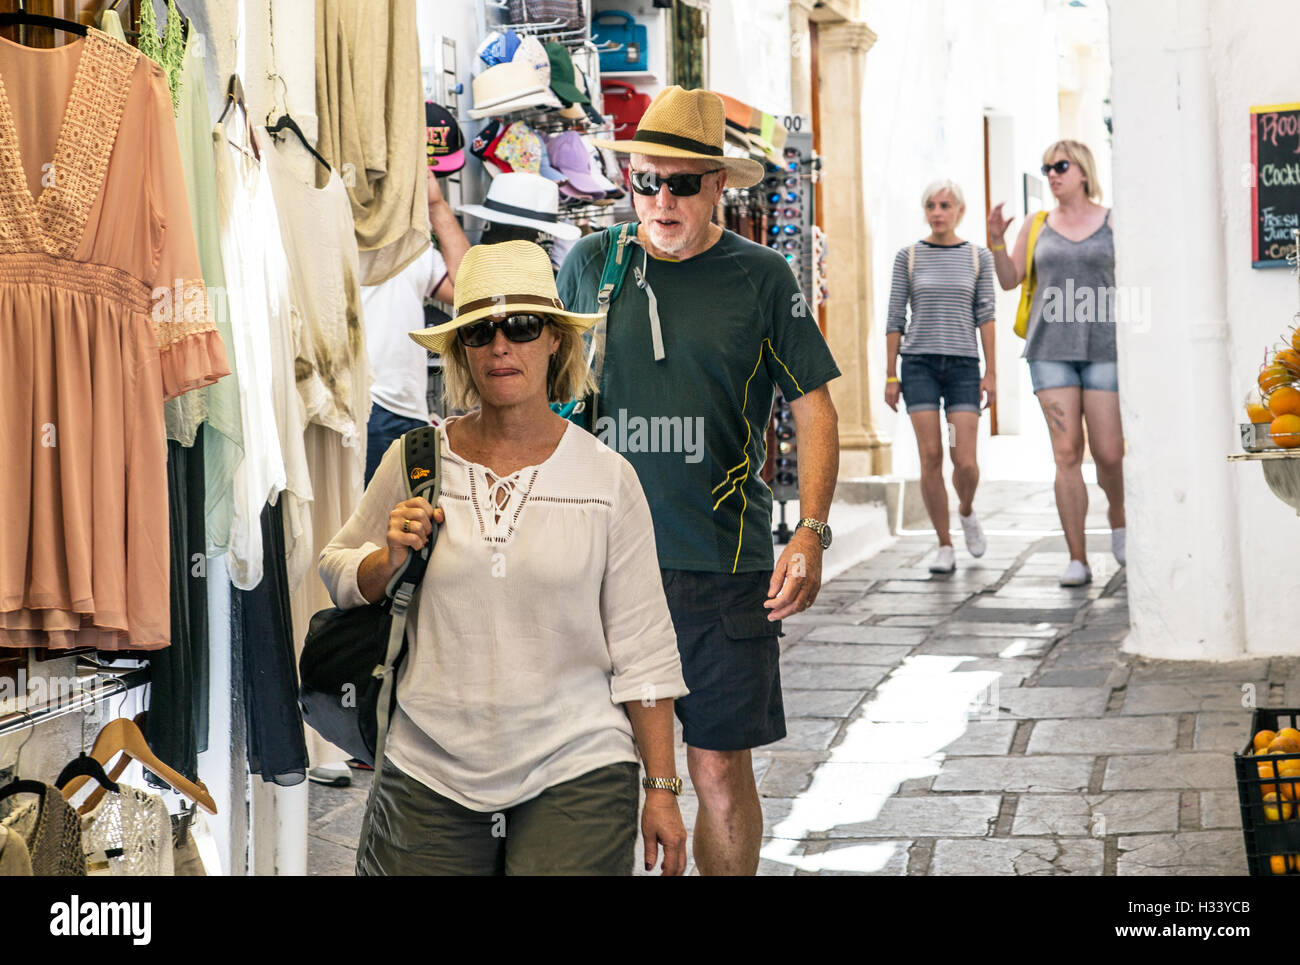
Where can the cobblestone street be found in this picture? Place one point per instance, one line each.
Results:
(980, 722)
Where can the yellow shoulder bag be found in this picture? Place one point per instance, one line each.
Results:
(1027, 286)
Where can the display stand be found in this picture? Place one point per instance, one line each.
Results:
(1281, 472)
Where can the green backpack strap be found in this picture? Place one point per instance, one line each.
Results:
(617, 261)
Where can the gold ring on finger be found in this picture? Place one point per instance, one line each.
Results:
(406, 526)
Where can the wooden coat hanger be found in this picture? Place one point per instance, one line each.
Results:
(123, 736)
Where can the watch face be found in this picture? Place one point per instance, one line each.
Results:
(826, 537)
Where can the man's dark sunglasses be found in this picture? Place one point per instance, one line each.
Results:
(1060, 167)
(517, 328)
(679, 185)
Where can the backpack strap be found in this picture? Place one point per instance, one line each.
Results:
(617, 261)
(422, 471)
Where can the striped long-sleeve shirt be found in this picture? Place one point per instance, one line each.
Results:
(948, 301)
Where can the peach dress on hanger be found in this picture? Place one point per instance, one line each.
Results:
(103, 316)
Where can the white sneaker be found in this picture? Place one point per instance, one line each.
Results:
(1077, 573)
(331, 775)
(970, 526)
(945, 561)
(1117, 544)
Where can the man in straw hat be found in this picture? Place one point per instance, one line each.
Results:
(693, 353)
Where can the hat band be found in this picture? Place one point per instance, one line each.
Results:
(491, 300)
(522, 212)
(676, 140)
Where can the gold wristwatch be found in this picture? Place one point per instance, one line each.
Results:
(673, 784)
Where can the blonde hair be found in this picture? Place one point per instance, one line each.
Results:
(1078, 154)
(934, 187)
(567, 377)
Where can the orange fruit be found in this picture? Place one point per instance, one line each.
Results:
(1288, 768)
(1289, 732)
(1284, 745)
(1285, 432)
(1278, 864)
(1276, 808)
(1263, 738)
(1268, 770)
(1284, 401)
(1289, 359)
(1273, 377)
(1258, 413)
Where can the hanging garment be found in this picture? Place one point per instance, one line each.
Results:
(128, 834)
(14, 859)
(264, 327)
(104, 315)
(51, 831)
(370, 102)
(167, 51)
(261, 628)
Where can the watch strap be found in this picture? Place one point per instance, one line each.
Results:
(673, 784)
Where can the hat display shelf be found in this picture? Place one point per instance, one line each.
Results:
(586, 58)
(1281, 467)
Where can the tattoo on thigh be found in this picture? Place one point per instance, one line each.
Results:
(1055, 413)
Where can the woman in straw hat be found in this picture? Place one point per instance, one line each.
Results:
(540, 614)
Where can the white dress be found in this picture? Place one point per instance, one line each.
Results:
(128, 834)
(257, 281)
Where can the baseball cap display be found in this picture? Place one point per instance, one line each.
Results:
(486, 139)
(444, 142)
(563, 80)
(518, 149)
(570, 157)
(497, 48)
(529, 200)
(523, 83)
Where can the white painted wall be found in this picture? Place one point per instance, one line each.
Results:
(749, 52)
(936, 69)
(1211, 550)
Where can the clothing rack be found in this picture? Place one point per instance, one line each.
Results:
(106, 685)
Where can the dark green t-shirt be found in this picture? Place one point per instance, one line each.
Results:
(693, 424)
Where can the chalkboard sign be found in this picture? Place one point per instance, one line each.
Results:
(1275, 183)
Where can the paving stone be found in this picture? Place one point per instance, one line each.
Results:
(1185, 771)
(1083, 658)
(1017, 856)
(928, 817)
(948, 645)
(807, 735)
(901, 604)
(874, 654)
(1074, 677)
(787, 777)
(1164, 698)
(997, 611)
(838, 857)
(1030, 628)
(814, 676)
(1220, 809)
(1116, 735)
(1012, 672)
(814, 618)
(1096, 815)
(934, 588)
(1186, 853)
(1053, 701)
(983, 737)
(913, 621)
(820, 703)
(1222, 730)
(326, 857)
(1091, 634)
(1168, 671)
(892, 573)
(1036, 774)
(867, 634)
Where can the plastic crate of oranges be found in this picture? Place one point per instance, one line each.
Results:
(1268, 786)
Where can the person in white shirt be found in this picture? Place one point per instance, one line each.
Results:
(542, 653)
(399, 396)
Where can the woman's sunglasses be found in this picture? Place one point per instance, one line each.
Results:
(679, 185)
(1060, 167)
(517, 328)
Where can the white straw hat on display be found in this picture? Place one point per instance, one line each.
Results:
(521, 198)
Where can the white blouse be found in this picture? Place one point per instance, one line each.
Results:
(542, 611)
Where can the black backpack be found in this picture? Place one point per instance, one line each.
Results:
(348, 668)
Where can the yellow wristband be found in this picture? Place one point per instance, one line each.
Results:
(997, 247)
(891, 378)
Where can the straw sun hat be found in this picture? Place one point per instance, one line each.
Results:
(501, 279)
(688, 124)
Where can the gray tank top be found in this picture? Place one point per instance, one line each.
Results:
(1072, 318)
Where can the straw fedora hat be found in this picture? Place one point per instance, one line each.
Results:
(497, 280)
(688, 124)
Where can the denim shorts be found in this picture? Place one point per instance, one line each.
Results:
(730, 654)
(1096, 376)
(926, 378)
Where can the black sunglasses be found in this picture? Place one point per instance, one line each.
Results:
(1060, 167)
(517, 328)
(679, 185)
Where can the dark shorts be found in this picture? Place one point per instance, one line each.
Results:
(381, 430)
(925, 379)
(729, 656)
(586, 826)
